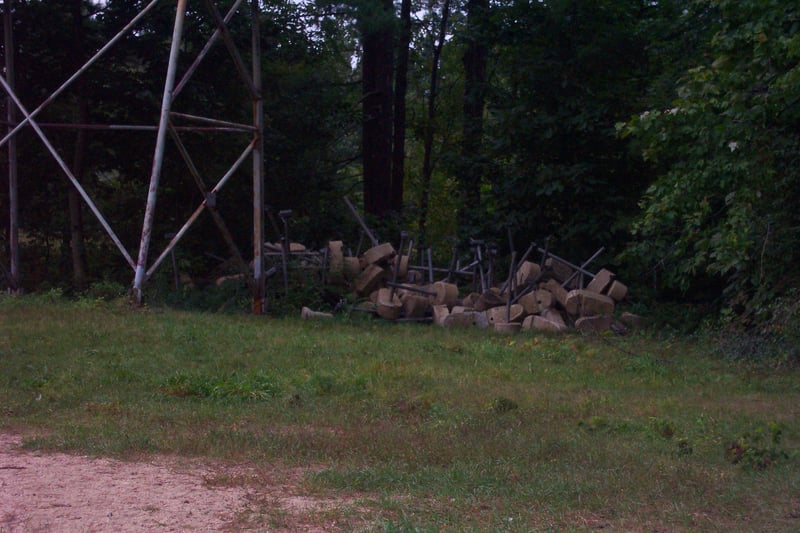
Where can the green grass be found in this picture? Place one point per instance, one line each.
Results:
(430, 429)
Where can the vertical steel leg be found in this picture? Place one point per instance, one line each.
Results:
(158, 157)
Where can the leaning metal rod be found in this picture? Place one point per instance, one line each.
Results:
(562, 260)
(584, 265)
(69, 174)
(216, 188)
(511, 270)
(215, 122)
(360, 220)
(204, 52)
(133, 127)
(215, 214)
(80, 71)
(232, 50)
(158, 156)
(397, 260)
(519, 264)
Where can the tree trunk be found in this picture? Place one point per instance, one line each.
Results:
(475, 60)
(377, 73)
(427, 161)
(77, 244)
(400, 89)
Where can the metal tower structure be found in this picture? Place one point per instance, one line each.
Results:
(143, 268)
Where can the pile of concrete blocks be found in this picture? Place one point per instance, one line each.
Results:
(544, 302)
(395, 292)
(553, 297)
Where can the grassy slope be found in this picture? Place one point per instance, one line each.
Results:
(433, 429)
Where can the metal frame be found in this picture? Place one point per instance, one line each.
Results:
(172, 88)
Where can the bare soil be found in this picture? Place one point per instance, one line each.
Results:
(66, 493)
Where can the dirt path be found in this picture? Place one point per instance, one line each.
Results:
(66, 493)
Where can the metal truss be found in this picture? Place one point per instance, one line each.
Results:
(253, 151)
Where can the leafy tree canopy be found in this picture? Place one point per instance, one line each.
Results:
(724, 205)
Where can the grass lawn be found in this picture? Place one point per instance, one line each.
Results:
(428, 429)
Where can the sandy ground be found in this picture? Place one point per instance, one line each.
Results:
(71, 493)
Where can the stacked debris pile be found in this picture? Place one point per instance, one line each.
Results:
(551, 295)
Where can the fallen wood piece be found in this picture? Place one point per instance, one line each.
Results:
(308, 314)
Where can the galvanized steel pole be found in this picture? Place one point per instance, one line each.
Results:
(158, 157)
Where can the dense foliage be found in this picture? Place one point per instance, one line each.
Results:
(723, 205)
(509, 121)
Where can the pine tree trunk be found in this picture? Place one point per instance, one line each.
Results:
(377, 73)
(475, 61)
(77, 243)
(400, 89)
(427, 161)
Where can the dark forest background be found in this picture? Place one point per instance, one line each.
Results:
(666, 131)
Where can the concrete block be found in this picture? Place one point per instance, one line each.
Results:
(561, 271)
(551, 315)
(498, 314)
(466, 320)
(581, 302)
(377, 254)
(470, 299)
(489, 299)
(544, 299)
(632, 320)
(414, 305)
(529, 303)
(558, 292)
(539, 323)
(440, 312)
(507, 328)
(601, 281)
(368, 280)
(527, 272)
(308, 314)
(617, 291)
(596, 323)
